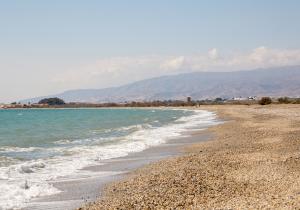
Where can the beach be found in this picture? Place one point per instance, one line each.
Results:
(252, 161)
(65, 157)
(76, 192)
(120, 105)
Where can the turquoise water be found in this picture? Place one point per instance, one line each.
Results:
(41, 145)
(48, 128)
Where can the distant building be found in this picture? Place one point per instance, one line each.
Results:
(240, 98)
(252, 98)
(244, 98)
(188, 99)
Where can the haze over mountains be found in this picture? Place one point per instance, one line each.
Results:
(280, 81)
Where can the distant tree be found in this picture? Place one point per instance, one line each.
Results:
(52, 101)
(265, 101)
(297, 101)
(13, 103)
(284, 100)
(218, 99)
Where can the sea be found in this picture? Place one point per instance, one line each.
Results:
(38, 146)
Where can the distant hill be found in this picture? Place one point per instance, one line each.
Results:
(283, 81)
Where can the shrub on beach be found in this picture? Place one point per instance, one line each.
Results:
(284, 100)
(265, 101)
(296, 101)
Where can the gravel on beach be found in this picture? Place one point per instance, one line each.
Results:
(253, 162)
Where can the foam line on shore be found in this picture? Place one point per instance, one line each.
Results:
(22, 182)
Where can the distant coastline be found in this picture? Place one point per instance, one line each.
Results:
(156, 103)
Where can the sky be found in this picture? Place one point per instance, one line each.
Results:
(47, 47)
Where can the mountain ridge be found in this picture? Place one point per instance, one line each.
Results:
(279, 81)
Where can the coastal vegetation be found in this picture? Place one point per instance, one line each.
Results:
(284, 100)
(287, 100)
(265, 101)
(59, 103)
(52, 101)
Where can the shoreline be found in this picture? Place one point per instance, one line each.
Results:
(253, 162)
(77, 192)
(31, 179)
(143, 129)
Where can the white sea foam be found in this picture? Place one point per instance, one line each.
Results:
(18, 149)
(21, 182)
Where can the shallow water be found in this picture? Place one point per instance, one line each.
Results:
(41, 145)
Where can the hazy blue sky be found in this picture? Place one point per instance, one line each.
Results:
(51, 46)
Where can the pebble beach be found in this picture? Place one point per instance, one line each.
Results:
(251, 162)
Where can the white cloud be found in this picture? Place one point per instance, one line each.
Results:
(260, 57)
(121, 70)
(213, 53)
(110, 72)
(53, 76)
(173, 63)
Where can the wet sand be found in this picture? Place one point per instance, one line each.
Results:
(77, 192)
(252, 162)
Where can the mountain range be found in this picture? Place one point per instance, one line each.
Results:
(279, 81)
